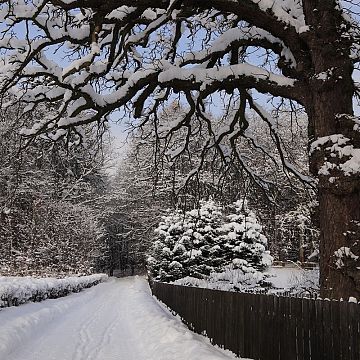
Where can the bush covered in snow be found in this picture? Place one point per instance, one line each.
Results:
(204, 242)
(289, 281)
(15, 291)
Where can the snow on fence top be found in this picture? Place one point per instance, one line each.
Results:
(19, 290)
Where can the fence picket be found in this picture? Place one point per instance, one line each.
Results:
(240, 349)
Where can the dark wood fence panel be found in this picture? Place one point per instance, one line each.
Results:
(267, 327)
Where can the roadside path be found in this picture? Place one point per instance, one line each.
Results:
(116, 320)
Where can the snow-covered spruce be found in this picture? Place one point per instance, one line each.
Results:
(243, 243)
(205, 244)
(186, 243)
(15, 291)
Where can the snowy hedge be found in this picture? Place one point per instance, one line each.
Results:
(15, 291)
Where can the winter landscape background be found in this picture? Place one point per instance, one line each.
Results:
(179, 179)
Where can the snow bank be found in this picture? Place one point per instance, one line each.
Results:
(15, 291)
(231, 279)
(174, 341)
(294, 281)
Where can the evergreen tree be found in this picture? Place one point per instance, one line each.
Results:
(204, 241)
(243, 241)
(169, 251)
(204, 229)
(187, 243)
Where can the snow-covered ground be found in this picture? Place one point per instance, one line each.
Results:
(293, 277)
(115, 320)
(282, 277)
(289, 279)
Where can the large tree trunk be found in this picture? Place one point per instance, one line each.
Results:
(339, 204)
(339, 195)
(330, 110)
(339, 276)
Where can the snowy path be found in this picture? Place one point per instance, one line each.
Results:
(116, 320)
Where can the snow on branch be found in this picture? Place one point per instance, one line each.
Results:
(205, 77)
(243, 36)
(287, 11)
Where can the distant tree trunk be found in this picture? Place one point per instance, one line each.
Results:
(301, 247)
(339, 198)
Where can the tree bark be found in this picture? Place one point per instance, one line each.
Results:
(339, 198)
(339, 276)
(330, 98)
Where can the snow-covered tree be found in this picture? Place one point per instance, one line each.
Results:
(187, 243)
(203, 241)
(244, 241)
(137, 55)
(298, 237)
(204, 252)
(169, 252)
(131, 208)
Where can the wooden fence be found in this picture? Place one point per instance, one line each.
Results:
(268, 327)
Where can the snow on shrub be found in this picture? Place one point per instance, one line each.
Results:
(275, 280)
(15, 291)
(205, 244)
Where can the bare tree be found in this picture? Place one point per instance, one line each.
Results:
(94, 57)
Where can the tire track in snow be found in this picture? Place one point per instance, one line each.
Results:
(105, 340)
(124, 347)
(87, 344)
